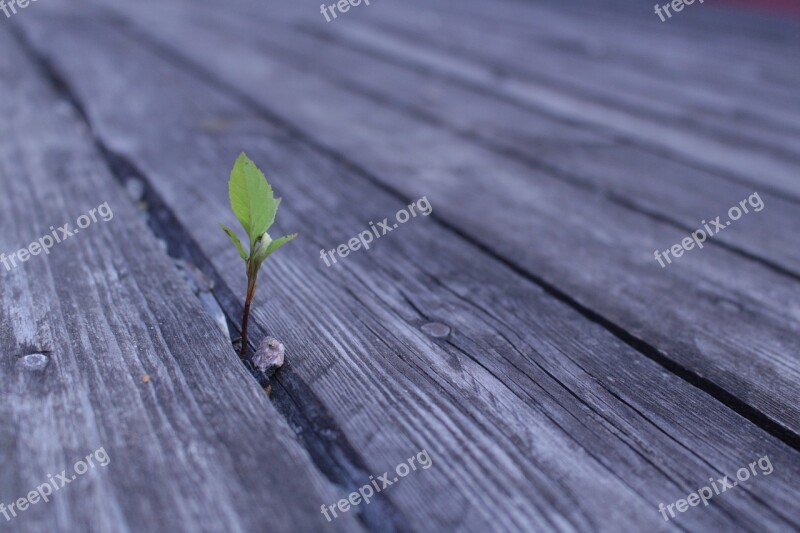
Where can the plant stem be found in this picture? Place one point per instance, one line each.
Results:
(251, 291)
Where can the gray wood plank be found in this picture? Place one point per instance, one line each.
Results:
(723, 84)
(658, 79)
(199, 446)
(738, 319)
(585, 158)
(520, 390)
(728, 40)
(464, 53)
(758, 32)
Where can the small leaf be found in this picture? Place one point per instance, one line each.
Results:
(235, 240)
(252, 199)
(277, 243)
(263, 253)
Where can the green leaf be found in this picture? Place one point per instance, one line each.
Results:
(235, 240)
(265, 252)
(277, 243)
(252, 199)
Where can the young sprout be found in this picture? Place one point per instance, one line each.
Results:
(255, 205)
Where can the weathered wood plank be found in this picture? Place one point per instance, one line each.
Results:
(733, 48)
(519, 391)
(199, 446)
(726, 41)
(726, 26)
(476, 62)
(738, 319)
(586, 158)
(722, 82)
(652, 80)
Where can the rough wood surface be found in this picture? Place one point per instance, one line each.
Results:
(585, 158)
(737, 318)
(664, 110)
(197, 443)
(535, 416)
(522, 334)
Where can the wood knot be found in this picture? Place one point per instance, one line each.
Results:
(33, 362)
(436, 329)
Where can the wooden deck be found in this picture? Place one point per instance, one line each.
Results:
(522, 334)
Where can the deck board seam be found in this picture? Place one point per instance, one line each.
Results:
(182, 244)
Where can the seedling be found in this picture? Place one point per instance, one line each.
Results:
(255, 205)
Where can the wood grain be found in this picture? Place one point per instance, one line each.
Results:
(525, 422)
(737, 318)
(467, 53)
(195, 446)
(588, 159)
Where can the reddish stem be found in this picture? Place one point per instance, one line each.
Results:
(251, 291)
